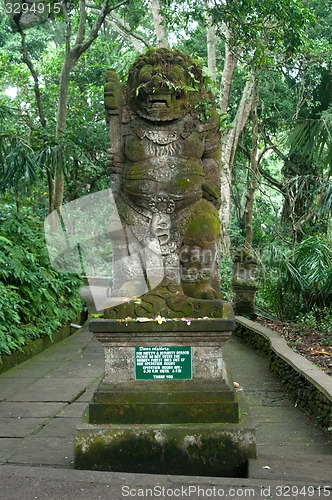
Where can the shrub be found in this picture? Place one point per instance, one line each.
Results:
(35, 300)
(300, 281)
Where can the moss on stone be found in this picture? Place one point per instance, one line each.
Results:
(154, 413)
(169, 71)
(209, 451)
(203, 228)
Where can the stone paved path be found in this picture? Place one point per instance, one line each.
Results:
(42, 399)
(289, 442)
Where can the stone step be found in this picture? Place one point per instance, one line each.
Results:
(148, 402)
(163, 413)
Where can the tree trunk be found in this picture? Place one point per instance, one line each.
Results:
(227, 74)
(63, 95)
(82, 44)
(161, 34)
(50, 188)
(228, 149)
(254, 177)
(59, 178)
(211, 40)
(26, 59)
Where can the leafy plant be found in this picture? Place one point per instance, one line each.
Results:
(320, 319)
(35, 300)
(226, 266)
(299, 281)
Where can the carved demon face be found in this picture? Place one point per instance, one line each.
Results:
(161, 94)
(162, 84)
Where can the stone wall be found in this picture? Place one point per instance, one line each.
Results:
(36, 346)
(310, 388)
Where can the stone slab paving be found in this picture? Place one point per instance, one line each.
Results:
(19, 409)
(42, 400)
(290, 445)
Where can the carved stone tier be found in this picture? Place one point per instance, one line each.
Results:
(193, 426)
(244, 300)
(194, 332)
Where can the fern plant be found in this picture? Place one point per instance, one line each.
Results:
(298, 281)
(35, 300)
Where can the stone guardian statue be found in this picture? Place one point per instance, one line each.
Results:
(164, 166)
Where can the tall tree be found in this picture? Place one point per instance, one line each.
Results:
(75, 44)
(72, 53)
(259, 36)
(159, 25)
(256, 36)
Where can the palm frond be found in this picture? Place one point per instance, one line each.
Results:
(296, 282)
(313, 138)
(56, 156)
(18, 164)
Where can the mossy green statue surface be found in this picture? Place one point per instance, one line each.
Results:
(164, 165)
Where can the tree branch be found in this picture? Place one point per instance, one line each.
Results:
(272, 180)
(244, 150)
(274, 147)
(81, 27)
(262, 153)
(241, 117)
(26, 59)
(81, 47)
(125, 30)
(68, 26)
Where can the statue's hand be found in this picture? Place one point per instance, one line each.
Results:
(211, 193)
(114, 161)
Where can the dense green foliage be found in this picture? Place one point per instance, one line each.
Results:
(299, 281)
(34, 299)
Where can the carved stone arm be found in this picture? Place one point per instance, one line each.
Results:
(114, 100)
(211, 161)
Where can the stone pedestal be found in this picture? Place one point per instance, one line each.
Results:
(195, 426)
(244, 300)
(244, 283)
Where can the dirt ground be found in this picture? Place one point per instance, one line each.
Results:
(314, 345)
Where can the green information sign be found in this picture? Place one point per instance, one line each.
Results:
(163, 363)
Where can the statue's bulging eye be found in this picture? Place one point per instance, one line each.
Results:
(145, 74)
(176, 74)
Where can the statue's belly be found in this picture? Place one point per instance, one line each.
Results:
(179, 178)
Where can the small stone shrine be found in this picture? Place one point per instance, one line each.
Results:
(244, 284)
(167, 403)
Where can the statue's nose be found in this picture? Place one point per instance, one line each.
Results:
(156, 80)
